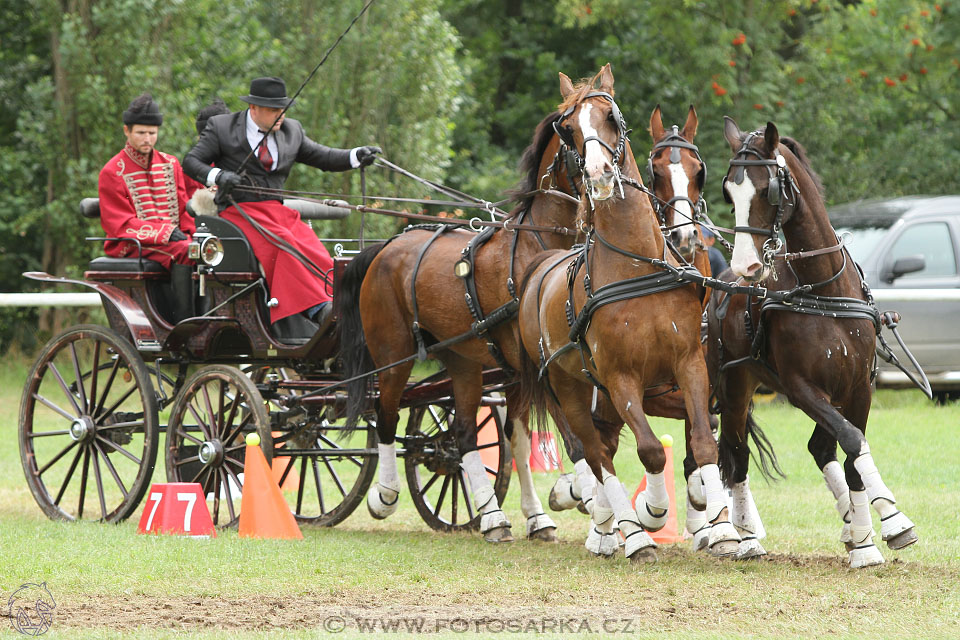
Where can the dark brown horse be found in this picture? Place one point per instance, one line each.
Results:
(641, 326)
(816, 348)
(411, 279)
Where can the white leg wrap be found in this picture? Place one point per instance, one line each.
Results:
(695, 494)
(384, 497)
(892, 521)
(483, 493)
(864, 552)
(837, 483)
(653, 503)
(565, 493)
(713, 490)
(697, 526)
(616, 494)
(746, 520)
(601, 544)
(635, 538)
(587, 483)
(602, 513)
(539, 522)
(530, 504)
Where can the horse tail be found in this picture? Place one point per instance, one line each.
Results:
(353, 345)
(763, 454)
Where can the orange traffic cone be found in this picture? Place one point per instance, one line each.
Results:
(487, 436)
(670, 532)
(263, 511)
(279, 467)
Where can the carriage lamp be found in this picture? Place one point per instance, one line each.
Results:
(206, 248)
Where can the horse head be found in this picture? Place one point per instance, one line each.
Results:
(677, 174)
(593, 129)
(764, 195)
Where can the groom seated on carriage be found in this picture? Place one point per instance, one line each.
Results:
(256, 148)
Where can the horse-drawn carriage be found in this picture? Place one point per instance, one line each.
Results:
(199, 362)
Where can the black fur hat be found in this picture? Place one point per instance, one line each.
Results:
(215, 108)
(143, 110)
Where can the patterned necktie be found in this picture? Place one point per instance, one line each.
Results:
(265, 158)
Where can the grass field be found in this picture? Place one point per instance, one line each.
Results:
(399, 575)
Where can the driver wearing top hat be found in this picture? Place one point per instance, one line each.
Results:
(226, 141)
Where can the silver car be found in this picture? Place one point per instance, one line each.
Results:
(909, 249)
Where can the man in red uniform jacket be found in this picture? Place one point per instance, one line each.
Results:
(142, 193)
(275, 232)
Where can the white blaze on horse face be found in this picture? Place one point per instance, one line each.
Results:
(745, 261)
(597, 167)
(686, 236)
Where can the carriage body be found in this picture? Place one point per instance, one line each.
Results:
(202, 352)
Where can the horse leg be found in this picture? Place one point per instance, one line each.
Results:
(862, 476)
(823, 447)
(384, 497)
(723, 539)
(896, 529)
(539, 525)
(575, 489)
(467, 380)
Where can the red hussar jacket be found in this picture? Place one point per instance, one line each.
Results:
(143, 197)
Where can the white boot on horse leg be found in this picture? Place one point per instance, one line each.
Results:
(565, 493)
(697, 525)
(723, 538)
(539, 525)
(896, 529)
(384, 496)
(601, 539)
(864, 552)
(638, 545)
(493, 523)
(653, 503)
(743, 515)
(837, 483)
(584, 485)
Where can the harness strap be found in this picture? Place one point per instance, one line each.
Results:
(417, 334)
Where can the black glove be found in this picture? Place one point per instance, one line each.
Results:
(226, 181)
(176, 236)
(366, 155)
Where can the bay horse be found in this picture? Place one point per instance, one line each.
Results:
(410, 282)
(676, 175)
(812, 339)
(635, 325)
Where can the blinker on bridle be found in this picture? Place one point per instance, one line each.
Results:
(674, 141)
(781, 192)
(565, 133)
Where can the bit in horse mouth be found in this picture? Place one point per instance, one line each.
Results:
(602, 189)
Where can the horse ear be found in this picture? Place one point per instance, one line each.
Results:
(606, 79)
(566, 86)
(656, 124)
(732, 133)
(771, 137)
(690, 127)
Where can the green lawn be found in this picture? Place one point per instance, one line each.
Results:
(108, 581)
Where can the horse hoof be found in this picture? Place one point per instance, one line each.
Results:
(724, 548)
(902, 540)
(498, 535)
(582, 508)
(601, 545)
(547, 534)
(647, 555)
(377, 507)
(750, 548)
(868, 556)
(561, 495)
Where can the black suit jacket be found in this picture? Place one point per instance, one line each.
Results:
(223, 144)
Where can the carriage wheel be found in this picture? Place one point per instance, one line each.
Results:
(209, 421)
(438, 486)
(323, 477)
(88, 426)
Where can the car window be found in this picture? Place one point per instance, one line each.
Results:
(862, 240)
(930, 240)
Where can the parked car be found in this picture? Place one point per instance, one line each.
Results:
(909, 249)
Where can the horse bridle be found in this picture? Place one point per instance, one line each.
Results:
(565, 133)
(674, 141)
(782, 192)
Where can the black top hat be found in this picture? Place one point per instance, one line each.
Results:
(268, 92)
(143, 110)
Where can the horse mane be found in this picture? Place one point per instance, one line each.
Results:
(530, 165)
(797, 149)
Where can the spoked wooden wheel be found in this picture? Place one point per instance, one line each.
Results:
(88, 426)
(323, 476)
(438, 486)
(209, 421)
